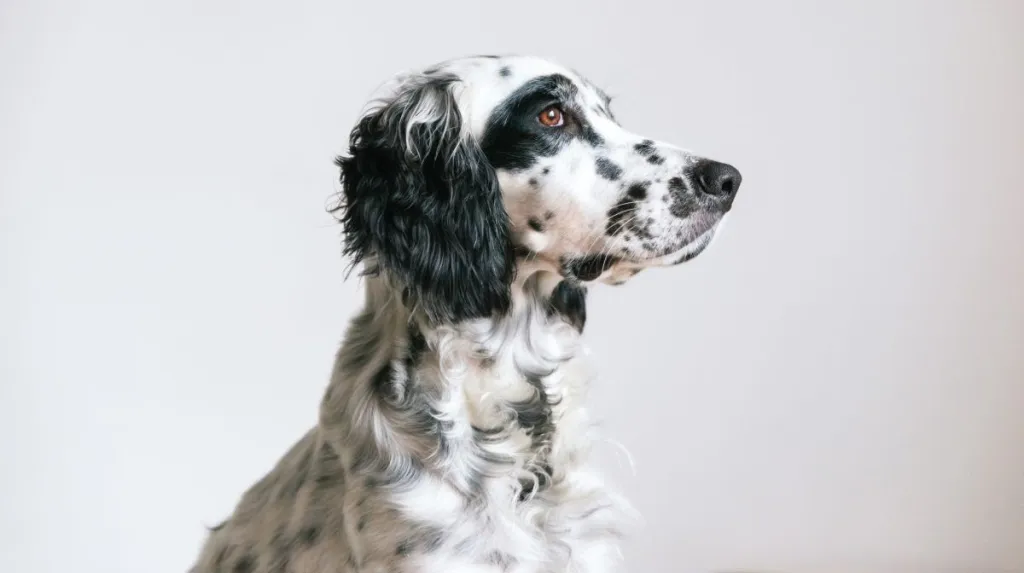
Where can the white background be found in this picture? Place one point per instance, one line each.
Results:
(837, 385)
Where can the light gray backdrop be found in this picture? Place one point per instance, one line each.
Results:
(837, 385)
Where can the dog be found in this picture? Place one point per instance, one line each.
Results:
(481, 197)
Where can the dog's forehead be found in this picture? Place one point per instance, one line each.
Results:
(487, 81)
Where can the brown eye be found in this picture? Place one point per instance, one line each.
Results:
(551, 116)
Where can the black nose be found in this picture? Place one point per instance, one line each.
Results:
(719, 181)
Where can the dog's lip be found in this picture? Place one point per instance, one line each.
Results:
(687, 252)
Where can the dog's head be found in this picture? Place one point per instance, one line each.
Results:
(474, 166)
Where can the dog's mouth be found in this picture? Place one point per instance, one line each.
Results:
(690, 250)
(701, 235)
(622, 270)
(616, 268)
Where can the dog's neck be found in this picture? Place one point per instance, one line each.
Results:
(490, 396)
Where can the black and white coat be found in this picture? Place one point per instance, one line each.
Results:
(481, 197)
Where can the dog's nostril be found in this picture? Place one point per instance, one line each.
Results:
(717, 179)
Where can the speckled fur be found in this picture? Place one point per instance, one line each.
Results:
(358, 493)
(453, 435)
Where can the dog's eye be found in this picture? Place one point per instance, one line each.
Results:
(552, 116)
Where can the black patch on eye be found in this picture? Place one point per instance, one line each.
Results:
(535, 224)
(569, 300)
(638, 190)
(515, 140)
(587, 267)
(655, 159)
(505, 72)
(607, 169)
(645, 147)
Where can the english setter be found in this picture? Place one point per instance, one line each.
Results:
(481, 197)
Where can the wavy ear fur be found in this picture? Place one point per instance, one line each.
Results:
(422, 202)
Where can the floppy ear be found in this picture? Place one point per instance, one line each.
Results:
(422, 202)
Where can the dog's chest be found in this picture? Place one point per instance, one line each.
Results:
(577, 522)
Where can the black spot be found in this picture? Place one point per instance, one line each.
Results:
(245, 564)
(587, 267)
(405, 547)
(656, 159)
(431, 538)
(645, 147)
(619, 215)
(505, 72)
(545, 171)
(361, 524)
(683, 203)
(607, 169)
(570, 301)
(535, 224)
(501, 560)
(328, 469)
(590, 136)
(309, 534)
(638, 191)
(533, 182)
(548, 215)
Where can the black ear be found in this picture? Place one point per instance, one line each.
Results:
(421, 204)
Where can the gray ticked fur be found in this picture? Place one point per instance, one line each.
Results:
(435, 462)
